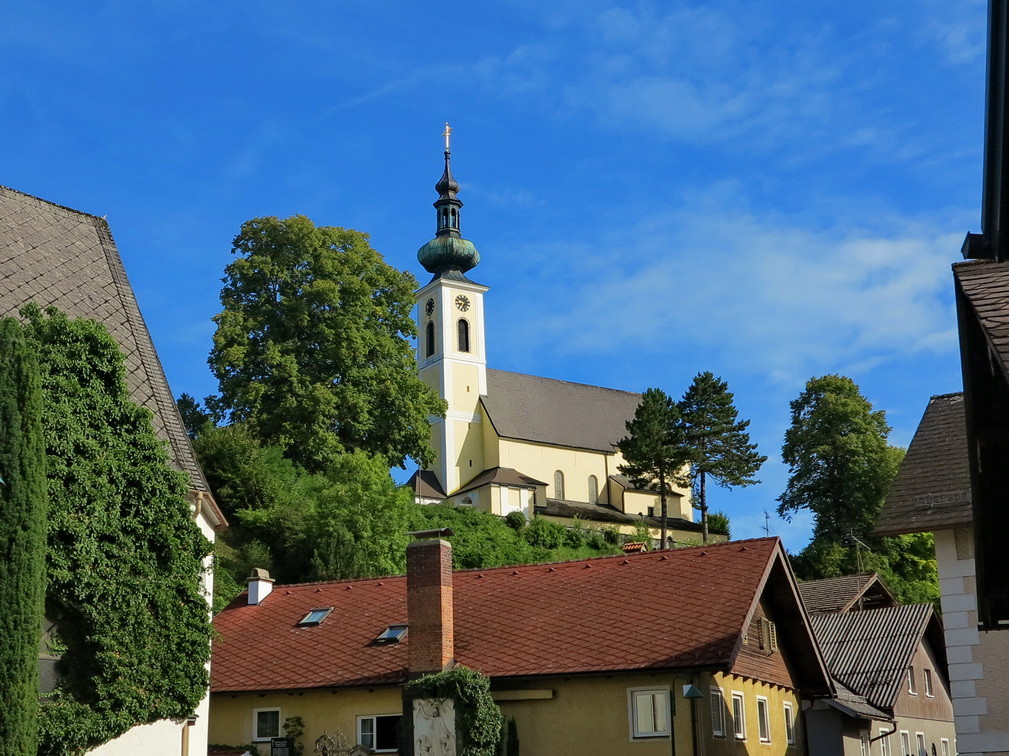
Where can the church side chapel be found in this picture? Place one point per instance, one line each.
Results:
(519, 443)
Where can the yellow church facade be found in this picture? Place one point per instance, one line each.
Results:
(511, 442)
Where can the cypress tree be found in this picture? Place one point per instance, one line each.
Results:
(718, 443)
(22, 540)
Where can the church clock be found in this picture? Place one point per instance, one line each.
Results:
(462, 302)
(429, 306)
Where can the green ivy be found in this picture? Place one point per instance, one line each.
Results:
(478, 719)
(125, 559)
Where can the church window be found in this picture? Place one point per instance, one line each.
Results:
(429, 347)
(463, 328)
(593, 490)
(558, 485)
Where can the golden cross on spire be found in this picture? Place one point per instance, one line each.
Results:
(448, 135)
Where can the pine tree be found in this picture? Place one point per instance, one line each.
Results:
(22, 540)
(654, 450)
(719, 446)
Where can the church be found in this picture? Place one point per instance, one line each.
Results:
(519, 443)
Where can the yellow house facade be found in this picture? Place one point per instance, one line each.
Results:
(513, 442)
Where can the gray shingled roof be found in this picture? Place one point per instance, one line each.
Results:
(425, 484)
(932, 488)
(870, 651)
(986, 285)
(842, 593)
(501, 476)
(548, 411)
(55, 256)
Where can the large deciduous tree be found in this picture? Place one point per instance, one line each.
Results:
(22, 540)
(717, 441)
(654, 451)
(312, 346)
(839, 461)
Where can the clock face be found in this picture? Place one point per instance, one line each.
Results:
(462, 302)
(429, 306)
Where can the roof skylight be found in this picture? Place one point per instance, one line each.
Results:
(315, 617)
(392, 634)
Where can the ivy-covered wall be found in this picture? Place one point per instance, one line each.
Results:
(124, 562)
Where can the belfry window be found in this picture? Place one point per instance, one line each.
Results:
(463, 328)
(429, 346)
(558, 485)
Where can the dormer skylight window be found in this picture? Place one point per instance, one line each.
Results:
(315, 617)
(392, 634)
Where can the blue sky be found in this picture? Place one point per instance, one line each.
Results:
(770, 190)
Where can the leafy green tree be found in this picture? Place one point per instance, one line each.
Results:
(840, 463)
(654, 451)
(22, 540)
(717, 441)
(719, 522)
(125, 559)
(312, 346)
(194, 417)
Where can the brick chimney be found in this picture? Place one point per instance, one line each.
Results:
(429, 604)
(260, 585)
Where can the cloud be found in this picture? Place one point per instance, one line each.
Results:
(768, 294)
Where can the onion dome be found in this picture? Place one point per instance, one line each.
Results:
(448, 251)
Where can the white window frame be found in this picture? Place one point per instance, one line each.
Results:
(905, 742)
(863, 743)
(256, 737)
(789, 722)
(660, 692)
(374, 731)
(911, 687)
(944, 747)
(884, 741)
(920, 744)
(719, 706)
(739, 723)
(559, 484)
(929, 688)
(763, 720)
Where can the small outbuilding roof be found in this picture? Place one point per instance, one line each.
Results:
(869, 651)
(841, 594)
(559, 413)
(932, 488)
(501, 476)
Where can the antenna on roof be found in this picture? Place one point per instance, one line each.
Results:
(767, 524)
(859, 545)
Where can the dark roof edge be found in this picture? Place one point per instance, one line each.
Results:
(50, 203)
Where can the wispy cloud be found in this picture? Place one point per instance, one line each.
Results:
(774, 297)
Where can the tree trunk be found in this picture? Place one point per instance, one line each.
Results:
(662, 497)
(704, 510)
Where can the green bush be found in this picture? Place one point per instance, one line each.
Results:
(478, 719)
(541, 532)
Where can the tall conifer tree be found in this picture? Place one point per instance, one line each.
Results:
(718, 444)
(22, 540)
(654, 450)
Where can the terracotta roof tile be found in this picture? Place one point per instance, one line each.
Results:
(657, 610)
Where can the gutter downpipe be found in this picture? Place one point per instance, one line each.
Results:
(884, 734)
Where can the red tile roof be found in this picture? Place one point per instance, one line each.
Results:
(658, 610)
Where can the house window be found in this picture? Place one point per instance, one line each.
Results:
(429, 340)
(649, 712)
(265, 724)
(378, 732)
(768, 636)
(928, 684)
(463, 329)
(884, 742)
(558, 484)
(863, 743)
(944, 747)
(911, 687)
(789, 723)
(905, 743)
(392, 634)
(763, 720)
(738, 715)
(920, 738)
(593, 490)
(315, 617)
(717, 705)
(651, 511)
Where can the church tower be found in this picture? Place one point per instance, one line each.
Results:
(451, 351)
